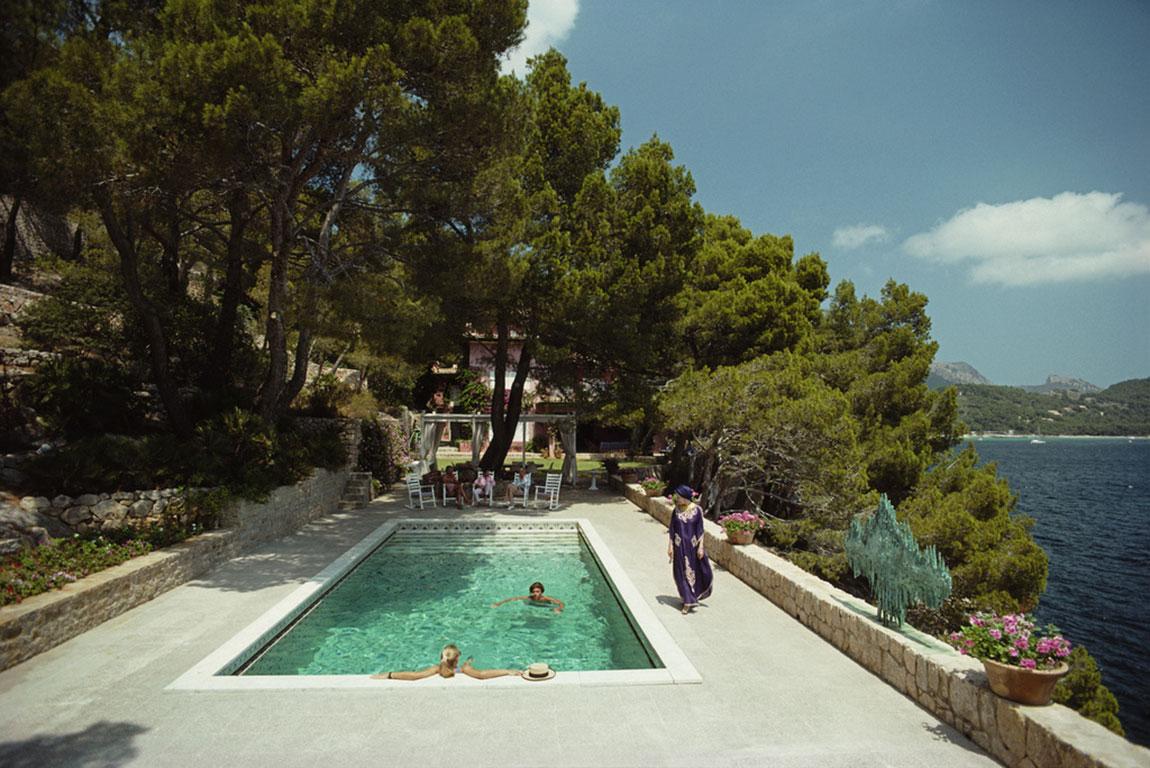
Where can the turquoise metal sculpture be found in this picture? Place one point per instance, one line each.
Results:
(900, 573)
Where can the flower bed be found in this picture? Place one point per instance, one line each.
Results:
(63, 561)
(57, 563)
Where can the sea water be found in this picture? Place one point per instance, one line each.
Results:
(422, 590)
(1090, 498)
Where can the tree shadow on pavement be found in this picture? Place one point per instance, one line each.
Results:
(100, 744)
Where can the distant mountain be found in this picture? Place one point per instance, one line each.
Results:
(942, 375)
(1123, 409)
(1056, 383)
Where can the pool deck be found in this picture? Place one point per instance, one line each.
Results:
(773, 693)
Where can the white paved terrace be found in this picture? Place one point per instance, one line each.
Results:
(773, 693)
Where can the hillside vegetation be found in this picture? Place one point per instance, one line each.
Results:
(1123, 409)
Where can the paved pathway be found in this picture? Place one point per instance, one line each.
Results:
(773, 693)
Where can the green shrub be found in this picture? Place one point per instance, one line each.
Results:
(325, 397)
(236, 451)
(14, 420)
(240, 452)
(324, 449)
(79, 396)
(474, 394)
(1083, 691)
(360, 405)
(381, 450)
(110, 463)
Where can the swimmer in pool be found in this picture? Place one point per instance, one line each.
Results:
(536, 597)
(447, 667)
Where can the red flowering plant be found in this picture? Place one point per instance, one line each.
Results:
(733, 522)
(1012, 639)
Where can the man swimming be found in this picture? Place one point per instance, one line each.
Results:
(536, 597)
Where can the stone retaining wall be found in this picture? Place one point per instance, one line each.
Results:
(25, 358)
(950, 686)
(44, 621)
(38, 516)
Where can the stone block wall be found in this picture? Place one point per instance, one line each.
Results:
(24, 358)
(37, 516)
(286, 510)
(950, 686)
(46, 620)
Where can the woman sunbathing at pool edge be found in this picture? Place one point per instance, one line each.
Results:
(447, 667)
(536, 596)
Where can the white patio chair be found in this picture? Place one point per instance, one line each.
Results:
(550, 489)
(417, 491)
(459, 485)
(516, 494)
(485, 494)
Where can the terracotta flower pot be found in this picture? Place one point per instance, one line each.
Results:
(1026, 686)
(653, 491)
(740, 537)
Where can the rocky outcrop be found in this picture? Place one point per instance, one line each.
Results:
(15, 300)
(38, 232)
(944, 374)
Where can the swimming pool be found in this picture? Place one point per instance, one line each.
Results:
(392, 601)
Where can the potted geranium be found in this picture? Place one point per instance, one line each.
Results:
(653, 485)
(1022, 663)
(741, 526)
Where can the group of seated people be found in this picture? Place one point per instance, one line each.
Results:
(467, 485)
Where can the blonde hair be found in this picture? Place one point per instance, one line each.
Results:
(448, 658)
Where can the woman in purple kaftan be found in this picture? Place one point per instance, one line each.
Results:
(689, 563)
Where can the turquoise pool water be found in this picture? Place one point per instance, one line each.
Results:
(420, 590)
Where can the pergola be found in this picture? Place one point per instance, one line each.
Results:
(430, 431)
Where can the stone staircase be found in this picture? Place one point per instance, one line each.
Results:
(357, 493)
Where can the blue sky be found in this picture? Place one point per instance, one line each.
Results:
(994, 156)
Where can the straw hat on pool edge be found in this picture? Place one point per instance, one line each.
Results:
(538, 672)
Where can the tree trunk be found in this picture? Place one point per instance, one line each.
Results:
(78, 245)
(505, 420)
(302, 351)
(153, 328)
(8, 257)
(275, 335)
(170, 242)
(223, 345)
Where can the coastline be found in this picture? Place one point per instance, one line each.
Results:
(1030, 436)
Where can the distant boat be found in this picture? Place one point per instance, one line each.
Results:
(1037, 441)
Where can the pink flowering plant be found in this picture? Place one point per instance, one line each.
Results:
(1012, 639)
(734, 522)
(652, 484)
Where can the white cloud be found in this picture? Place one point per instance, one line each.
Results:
(1069, 237)
(859, 235)
(548, 23)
